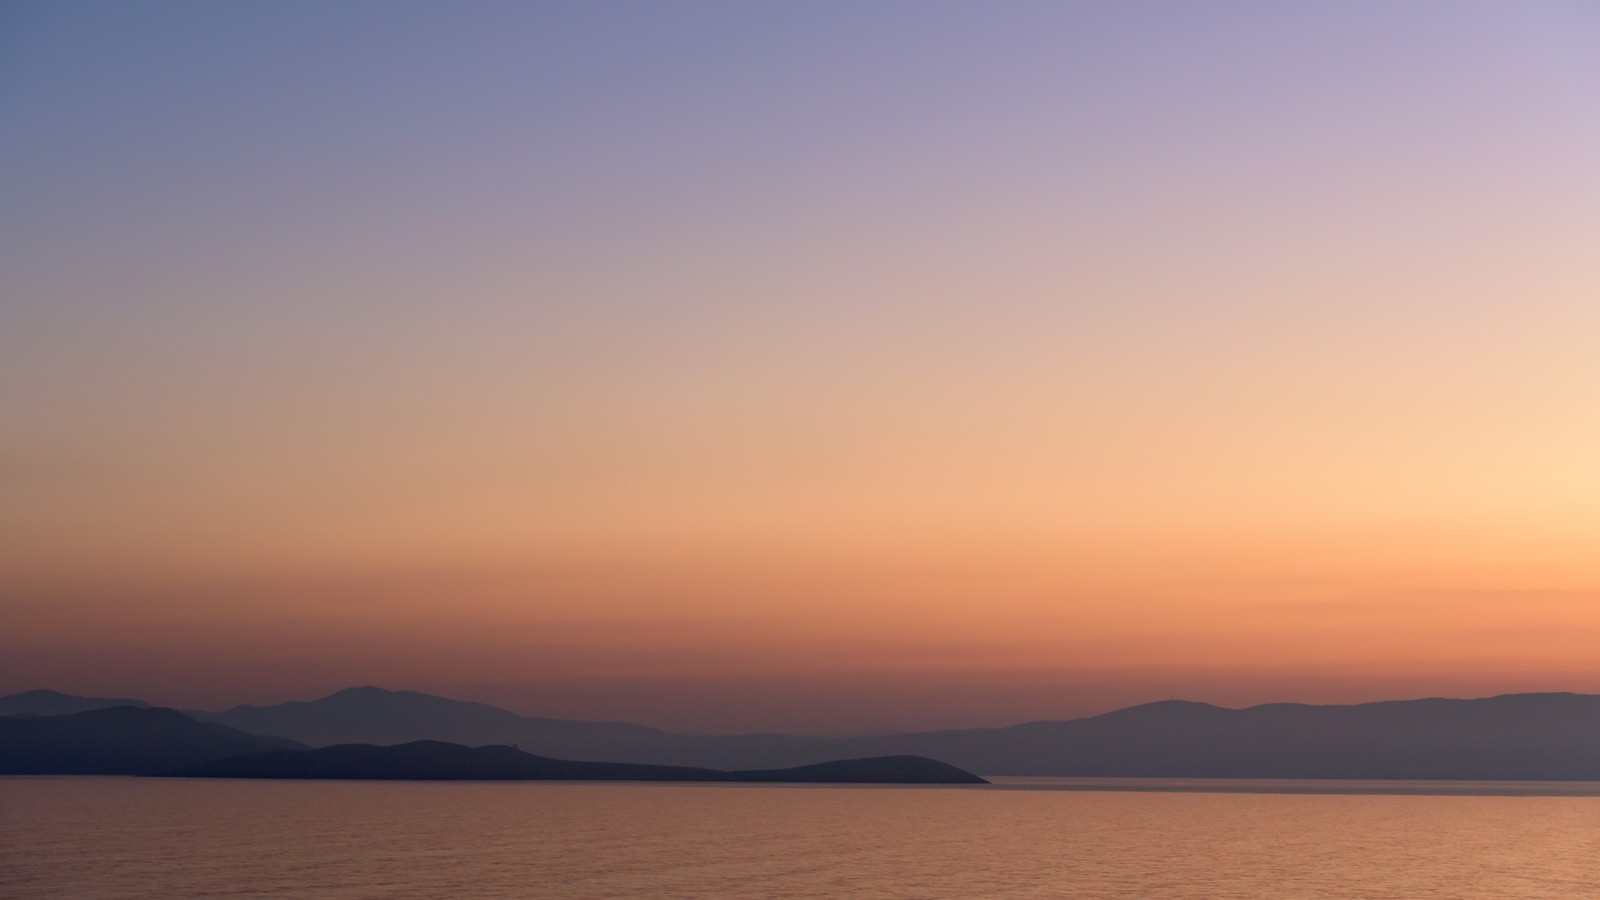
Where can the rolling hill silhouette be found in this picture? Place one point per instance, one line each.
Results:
(55, 703)
(120, 740)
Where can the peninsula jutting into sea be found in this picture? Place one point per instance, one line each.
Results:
(135, 740)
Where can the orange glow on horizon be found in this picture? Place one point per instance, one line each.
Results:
(1057, 359)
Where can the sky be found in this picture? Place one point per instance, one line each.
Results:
(805, 367)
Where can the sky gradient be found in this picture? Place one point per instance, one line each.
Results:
(811, 366)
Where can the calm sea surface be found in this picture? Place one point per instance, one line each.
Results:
(129, 837)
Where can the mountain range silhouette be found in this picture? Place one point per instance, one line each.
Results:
(1548, 736)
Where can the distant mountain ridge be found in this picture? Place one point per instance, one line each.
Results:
(371, 715)
(1553, 736)
(1549, 736)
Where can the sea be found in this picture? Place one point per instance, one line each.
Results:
(84, 838)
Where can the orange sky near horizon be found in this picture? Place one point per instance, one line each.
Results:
(1007, 367)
